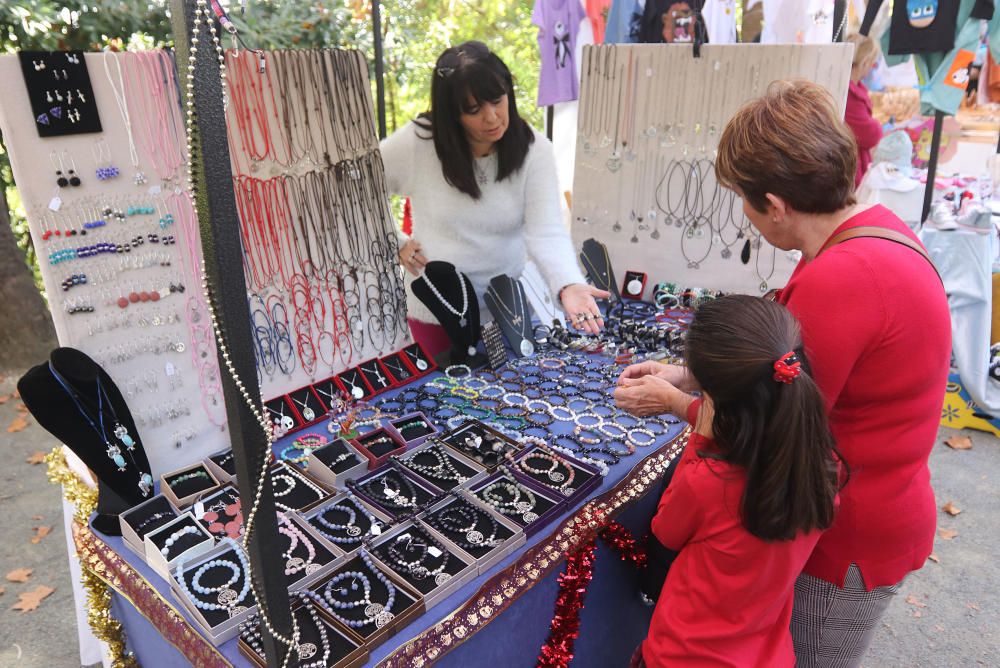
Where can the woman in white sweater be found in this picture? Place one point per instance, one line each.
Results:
(482, 183)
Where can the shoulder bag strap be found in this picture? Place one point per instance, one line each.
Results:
(880, 233)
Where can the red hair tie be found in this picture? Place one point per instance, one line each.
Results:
(787, 368)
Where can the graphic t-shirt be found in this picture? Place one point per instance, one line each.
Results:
(671, 22)
(598, 10)
(558, 23)
(922, 26)
(624, 19)
(720, 19)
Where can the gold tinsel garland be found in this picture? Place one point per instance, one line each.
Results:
(83, 498)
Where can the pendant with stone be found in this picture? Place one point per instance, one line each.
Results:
(421, 365)
(527, 348)
(357, 392)
(462, 322)
(309, 414)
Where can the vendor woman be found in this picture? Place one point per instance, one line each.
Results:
(482, 183)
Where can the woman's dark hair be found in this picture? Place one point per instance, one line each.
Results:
(471, 69)
(777, 432)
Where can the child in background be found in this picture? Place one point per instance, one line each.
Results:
(755, 488)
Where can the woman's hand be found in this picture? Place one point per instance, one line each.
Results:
(651, 395)
(579, 302)
(411, 257)
(676, 375)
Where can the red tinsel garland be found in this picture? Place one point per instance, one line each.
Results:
(407, 217)
(622, 540)
(557, 651)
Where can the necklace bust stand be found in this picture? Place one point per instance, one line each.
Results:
(55, 409)
(450, 296)
(596, 261)
(509, 305)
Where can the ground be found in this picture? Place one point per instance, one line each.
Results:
(945, 615)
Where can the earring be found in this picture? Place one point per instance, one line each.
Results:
(69, 97)
(74, 180)
(65, 76)
(39, 65)
(43, 119)
(55, 74)
(61, 180)
(83, 98)
(59, 95)
(48, 97)
(55, 112)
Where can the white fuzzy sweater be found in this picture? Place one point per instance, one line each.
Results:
(489, 236)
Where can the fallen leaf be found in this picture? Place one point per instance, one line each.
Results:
(972, 606)
(16, 395)
(947, 534)
(951, 508)
(21, 408)
(36, 458)
(916, 613)
(933, 557)
(40, 533)
(959, 442)
(914, 601)
(2, 590)
(37, 518)
(29, 601)
(4, 398)
(19, 575)
(17, 424)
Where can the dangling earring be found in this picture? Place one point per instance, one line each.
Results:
(74, 180)
(61, 180)
(48, 97)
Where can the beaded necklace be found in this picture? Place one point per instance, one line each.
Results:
(379, 613)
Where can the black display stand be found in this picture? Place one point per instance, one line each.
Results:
(57, 413)
(509, 305)
(597, 263)
(463, 331)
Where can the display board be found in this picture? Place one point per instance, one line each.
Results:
(644, 183)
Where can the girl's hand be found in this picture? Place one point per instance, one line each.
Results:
(411, 257)
(651, 395)
(579, 302)
(676, 375)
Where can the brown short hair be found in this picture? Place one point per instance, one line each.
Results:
(790, 142)
(865, 50)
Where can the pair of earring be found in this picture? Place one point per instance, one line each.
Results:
(50, 99)
(55, 73)
(73, 58)
(64, 177)
(39, 65)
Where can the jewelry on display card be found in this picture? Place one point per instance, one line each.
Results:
(60, 92)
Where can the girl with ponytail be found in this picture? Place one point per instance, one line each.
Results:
(755, 488)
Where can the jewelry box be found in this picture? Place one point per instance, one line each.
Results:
(480, 443)
(183, 486)
(337, 462)
(307, 406)
(223, 466)
(529, 505)
(181, 539)
(346, 521)
(317, 638)
(220, 512)
(400, 369)
(485, 535)
(425, 559)
(145, 518)
(412, 429)
(393, 490)
(308, 557)
(215, 590)
(566, 475)
(378, 445)
(374, 612)
(376, 375)
(441, 466)
(421, 363)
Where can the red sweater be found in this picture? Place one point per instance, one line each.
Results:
(877, 331)
(727, 600)
(867, 130)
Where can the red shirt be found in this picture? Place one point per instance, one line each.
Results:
(727, 600)
(867, 130)
(877, 332)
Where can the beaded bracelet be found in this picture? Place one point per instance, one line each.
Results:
(227, 598)
(645, 432)
(200, 473)
(174, 537)
(152, 518)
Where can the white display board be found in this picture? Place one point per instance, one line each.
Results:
(644, 180)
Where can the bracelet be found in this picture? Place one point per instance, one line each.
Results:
(187, 476)
(174, 537)
(152, 518)
(645, 432)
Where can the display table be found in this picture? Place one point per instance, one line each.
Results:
(514, 599)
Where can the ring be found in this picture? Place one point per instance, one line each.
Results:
(413, 256)
(580, 317)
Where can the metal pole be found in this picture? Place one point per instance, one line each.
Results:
(223, 254)
(932, 164)
(379, 67)
(550, 119)
(839, 9)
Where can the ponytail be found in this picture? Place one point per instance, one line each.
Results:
(768, 420)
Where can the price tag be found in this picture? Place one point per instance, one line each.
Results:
(404, 536)
(155, 190)
(376, 530)
(55, 203)
(199, 510)
(170, 369)
(433, 551)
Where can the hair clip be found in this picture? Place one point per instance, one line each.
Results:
(787, 368)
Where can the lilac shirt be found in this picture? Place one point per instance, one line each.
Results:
(558, 23)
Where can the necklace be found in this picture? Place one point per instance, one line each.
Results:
(373, 612)
(353, 531)
(356, 390)
(602, 276)
(512, 505)
(283, 423)
(112, 450)
(463, 519)
(396, 367)
(375, 371)
(119, 92)
(308, 414)
(515, 317)
(418, 361)
(403, 557)
(442, 469)
(444, 302)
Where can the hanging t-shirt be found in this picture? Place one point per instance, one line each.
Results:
(671, 22)
(598, 10)
(558, 23)
(720, 19)
(923, 26)
(624, 19)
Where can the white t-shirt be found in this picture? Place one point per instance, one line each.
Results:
(489, 236)
(720, 19)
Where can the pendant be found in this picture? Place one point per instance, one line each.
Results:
(295, 564)
(567, 491)
(306, 650)
(441, 578)
(763, 287)
(122, 434)
(527, 348)
(614, 164)
(462, 322)
(692, 265)
(309, 414)
(227, 597)
(312, 568)
(745, 253)
(383, 619)
(471, 351)
(617, 227)
(522, 507)
(556, 476)
(529, 517)
(421, 365)
(634, 286)
(357, 392)
(655, 234)
(146, 484)
(474, 537)
(373, 609)
(238, 610)
(726, 253)
(353, 530)
(419, 572)
(287, 423)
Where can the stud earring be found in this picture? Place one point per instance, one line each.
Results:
(65, 76)
(69, 97)
(42, 119)
(59, 95)
(48, 97)
(55, 112)
(83, 98)
(39, 65)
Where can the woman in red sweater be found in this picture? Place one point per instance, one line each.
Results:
(858, 113)
(877, 331)
(754, 489)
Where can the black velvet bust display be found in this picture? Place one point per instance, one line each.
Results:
(509, 305)
(597, 262)
(462, 331)
(56, 412)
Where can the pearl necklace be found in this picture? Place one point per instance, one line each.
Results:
(378, 613)
(444, 302)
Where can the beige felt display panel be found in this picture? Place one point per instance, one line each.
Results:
(644, 183)
(160, 354)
